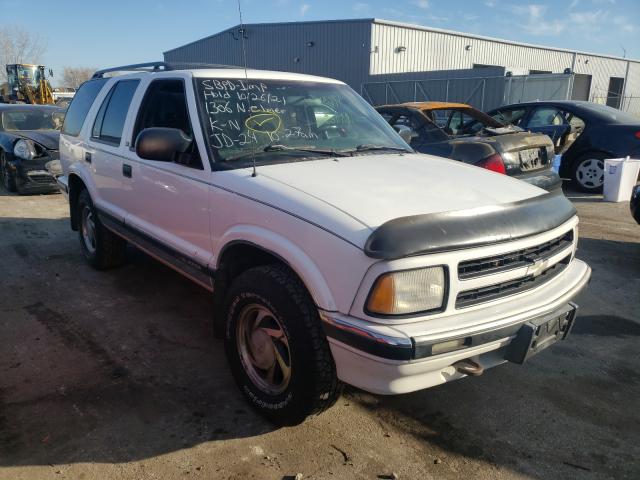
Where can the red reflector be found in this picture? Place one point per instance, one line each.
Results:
(637, 134)
(494, 163)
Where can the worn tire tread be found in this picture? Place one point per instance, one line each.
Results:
(327, 387)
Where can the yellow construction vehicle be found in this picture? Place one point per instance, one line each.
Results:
(28, 84)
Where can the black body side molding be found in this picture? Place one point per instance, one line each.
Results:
(455, 230)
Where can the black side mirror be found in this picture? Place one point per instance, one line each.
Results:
(407, 133)
(161, 144)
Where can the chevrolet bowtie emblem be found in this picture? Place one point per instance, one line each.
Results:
(537, 267)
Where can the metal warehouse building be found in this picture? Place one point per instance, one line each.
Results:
(389, 61)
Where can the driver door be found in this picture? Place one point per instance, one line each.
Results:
(168, 202)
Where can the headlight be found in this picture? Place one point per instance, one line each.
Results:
(24, 149)
(409, 291)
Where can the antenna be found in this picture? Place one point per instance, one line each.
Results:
(624, 50)
(243, 36)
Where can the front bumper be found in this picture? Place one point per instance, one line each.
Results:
(38, 181)
(545, 179)
(400, 359)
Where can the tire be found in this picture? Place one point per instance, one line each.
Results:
(102, 248)
(8, 180)
(587, 172)
(289, 336)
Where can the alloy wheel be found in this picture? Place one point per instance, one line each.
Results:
(590, 173)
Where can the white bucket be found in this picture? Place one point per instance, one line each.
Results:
(620, 176)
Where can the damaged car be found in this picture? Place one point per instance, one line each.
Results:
(29, 136)
(461, 132)
(584, 133)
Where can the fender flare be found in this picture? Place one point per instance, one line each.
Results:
(290, 254)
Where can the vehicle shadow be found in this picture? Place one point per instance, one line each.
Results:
(108, 366)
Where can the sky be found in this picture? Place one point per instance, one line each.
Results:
(116, 32)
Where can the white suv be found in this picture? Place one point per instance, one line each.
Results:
(333, 251)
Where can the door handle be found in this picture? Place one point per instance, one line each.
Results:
(87, 157)
(126, 170)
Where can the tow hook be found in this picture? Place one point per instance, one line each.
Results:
(469, 367)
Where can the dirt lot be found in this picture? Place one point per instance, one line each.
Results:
(117, 375)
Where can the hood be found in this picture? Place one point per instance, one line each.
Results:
(352, 196)
(47, 138)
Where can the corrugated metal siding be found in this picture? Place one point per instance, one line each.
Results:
(365, 51)
(426, 50)
(340, 49)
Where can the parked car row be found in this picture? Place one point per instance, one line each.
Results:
(334, 252)
(521, 140)
(460, 132)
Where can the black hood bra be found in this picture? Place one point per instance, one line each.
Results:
(474, 227)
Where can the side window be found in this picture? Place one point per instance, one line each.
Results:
(80, 105)
(440, 117)
(427, 131)
(458, 121)
(576, 123)
(546, 116)
(110, 120)
(510, 117)
(165, 105)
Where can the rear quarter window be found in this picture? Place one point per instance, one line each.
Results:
(80, 105)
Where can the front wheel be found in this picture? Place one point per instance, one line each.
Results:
(276, 348)
(587, 172)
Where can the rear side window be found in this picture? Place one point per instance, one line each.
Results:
(513, 116)
(110, 120)
(80, 105)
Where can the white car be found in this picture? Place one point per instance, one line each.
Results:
(334, 253)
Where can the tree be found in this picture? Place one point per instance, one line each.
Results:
(19, 46)
(73, 77)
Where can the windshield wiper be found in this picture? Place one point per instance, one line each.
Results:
(369, 147)
(283, 148)
(323, 151)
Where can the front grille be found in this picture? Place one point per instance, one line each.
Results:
(42, 178)
(508, 261)
(475, 296)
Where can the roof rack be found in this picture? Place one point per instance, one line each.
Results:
(160, 67)
(198, 65)
(144, 67)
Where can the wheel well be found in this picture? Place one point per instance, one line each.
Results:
(76, 185)
(234, 260)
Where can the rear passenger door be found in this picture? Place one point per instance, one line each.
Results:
(168, 202)
(550, 121)
(104, 149)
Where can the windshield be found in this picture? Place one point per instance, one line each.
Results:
(32, 119)
(611, 114)
(280, 121)
(26, 75)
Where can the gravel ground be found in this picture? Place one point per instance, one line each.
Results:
(117, 375)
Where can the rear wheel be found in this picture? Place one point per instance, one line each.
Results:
(102, 248)
(277, 350)
(8, 180)
(587, 172)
